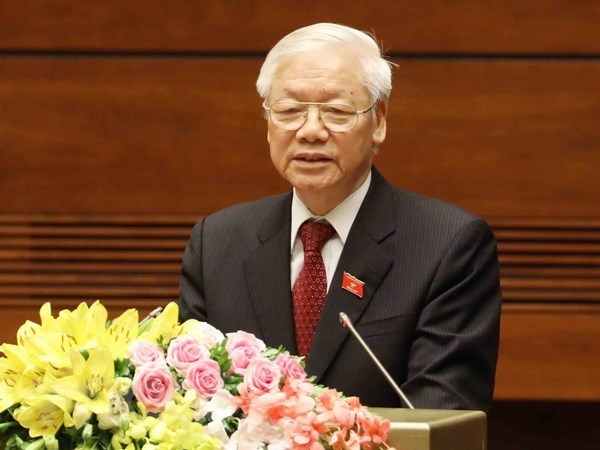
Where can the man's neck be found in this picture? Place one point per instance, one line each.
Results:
(320, 205)
(341, 217)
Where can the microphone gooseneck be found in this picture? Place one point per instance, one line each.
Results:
(153, 314)
(345, 320)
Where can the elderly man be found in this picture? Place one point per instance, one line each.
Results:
(418, 277)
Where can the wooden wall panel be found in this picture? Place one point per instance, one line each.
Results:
(185, 135)
(501, 138)
(438, 26)
(69, 259)
(549, 352)
(131, 135)
(549, 260)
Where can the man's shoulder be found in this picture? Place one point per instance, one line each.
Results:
(416, 207)
(248, 215)
(433, 217)
(431, 208)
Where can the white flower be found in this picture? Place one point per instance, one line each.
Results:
(216, 429)
(118, 411)
(221, 405)
(250, 436)
(208, 335)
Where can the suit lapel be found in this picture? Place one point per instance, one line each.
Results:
(362, 257)
(268, 277)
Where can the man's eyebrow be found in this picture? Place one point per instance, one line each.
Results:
(329, 91)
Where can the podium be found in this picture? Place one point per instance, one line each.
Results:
(435, 429)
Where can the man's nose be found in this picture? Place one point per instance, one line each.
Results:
(313, 129)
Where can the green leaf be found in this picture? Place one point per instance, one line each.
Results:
(220, 355)
(123, 368)
(273, 353)
(6, 425)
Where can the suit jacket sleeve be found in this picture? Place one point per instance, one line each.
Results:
(191, 298)
(453, 357)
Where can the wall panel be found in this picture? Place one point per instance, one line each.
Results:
(186, 135)
(549, 352)
(232, 26)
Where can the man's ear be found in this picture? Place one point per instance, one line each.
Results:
(380, 122)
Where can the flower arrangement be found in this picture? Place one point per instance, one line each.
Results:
(81, 381)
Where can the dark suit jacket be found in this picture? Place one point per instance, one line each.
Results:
(431, 305)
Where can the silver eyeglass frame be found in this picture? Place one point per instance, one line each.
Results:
(317, 106)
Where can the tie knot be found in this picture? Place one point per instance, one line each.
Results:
(314, 235)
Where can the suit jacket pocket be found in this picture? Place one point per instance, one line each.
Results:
(404, 323)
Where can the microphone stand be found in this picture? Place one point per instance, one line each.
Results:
(345, 320)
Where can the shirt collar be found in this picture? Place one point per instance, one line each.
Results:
(341, 217)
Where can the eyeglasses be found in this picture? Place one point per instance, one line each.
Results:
(336, 117)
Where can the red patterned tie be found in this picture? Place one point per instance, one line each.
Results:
(310, 288)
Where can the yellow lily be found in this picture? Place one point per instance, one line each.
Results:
(176, 429)
(86, 327)
(24, 352)
(83, 329)
(165, 325)
(121, 333)
(49, 350)
(9, 378)
(53, 340)
(43, 415)
(18, 378)
(89, 385)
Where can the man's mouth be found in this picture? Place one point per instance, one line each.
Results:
(311, 158)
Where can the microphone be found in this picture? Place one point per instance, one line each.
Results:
(345, 320)
(153, 314)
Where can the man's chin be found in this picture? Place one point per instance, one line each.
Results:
(314, 186)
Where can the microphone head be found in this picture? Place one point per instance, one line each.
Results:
(344, 319)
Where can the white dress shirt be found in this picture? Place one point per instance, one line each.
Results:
(341, 218)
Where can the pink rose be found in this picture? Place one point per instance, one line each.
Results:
(153, 385)
(184, 351)
(240, 358)
(205, 378)
(243, 339)
(290, 367)
(142, 352)
(262, 375)
(242, 347)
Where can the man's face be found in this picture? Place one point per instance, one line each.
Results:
(324, 167)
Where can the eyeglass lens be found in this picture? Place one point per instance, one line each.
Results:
(334, 116)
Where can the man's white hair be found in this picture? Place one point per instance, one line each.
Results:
(375, 69)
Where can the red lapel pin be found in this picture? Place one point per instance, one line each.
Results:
(353, 284)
